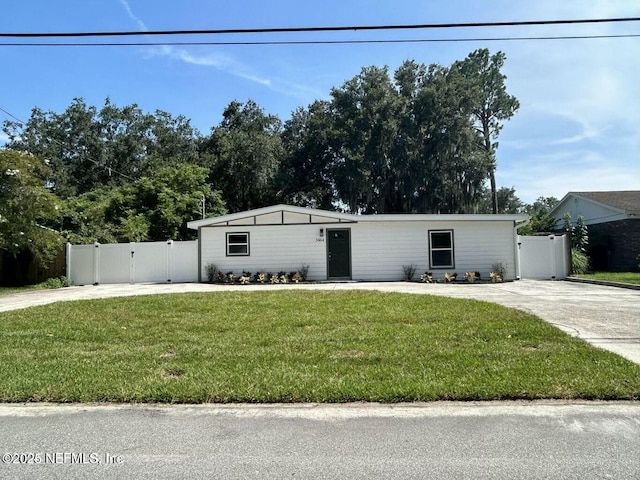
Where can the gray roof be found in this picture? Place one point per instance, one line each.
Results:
(627, 200)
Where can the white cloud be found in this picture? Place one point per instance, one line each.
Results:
(220, 62)
(141, 26)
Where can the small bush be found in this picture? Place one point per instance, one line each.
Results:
(59, 282)
(211, 271)
(500, 269)
(303, 271)
(450, 277)
(426, 277)
(409, 271)
(579, 262)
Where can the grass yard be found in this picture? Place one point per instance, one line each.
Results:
(622, 277)
(297, 346)
(10, 290)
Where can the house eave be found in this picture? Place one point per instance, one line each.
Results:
(316, 216)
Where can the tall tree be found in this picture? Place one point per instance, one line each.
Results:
(89, 148)
(492, 103)
(365, 112)
(28, 210)
(541, 222)
(508, 202)
(306, 172)
(401, 144)
(244, 153)
(149, 209)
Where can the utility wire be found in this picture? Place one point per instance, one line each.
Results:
(318, 29)
(317, 42)
(55, 140)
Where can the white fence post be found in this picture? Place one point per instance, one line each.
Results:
(553, 268)
(132, 262)
(96, 264)
(169, 260)
(68, 274)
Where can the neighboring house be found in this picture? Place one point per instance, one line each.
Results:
(339, 246)
(613, 222)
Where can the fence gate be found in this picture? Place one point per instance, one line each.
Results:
(544, 258)
(147, 262)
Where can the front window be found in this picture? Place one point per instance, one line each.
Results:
(237, 244)
(441, 249)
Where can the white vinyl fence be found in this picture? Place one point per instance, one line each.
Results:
(544, 258)
(158, 262)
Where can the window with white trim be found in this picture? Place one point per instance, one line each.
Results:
(237, 244)
(441, 249)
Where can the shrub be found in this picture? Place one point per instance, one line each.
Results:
(426, 277)
(450, 277)
(304, 272)
(500, 269)
(579, 261)
(59, 282)
(409, 271)
(211, 271)
(471, 277)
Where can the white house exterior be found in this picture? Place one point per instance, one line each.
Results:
(338, 246)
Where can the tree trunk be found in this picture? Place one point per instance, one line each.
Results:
(494, 192)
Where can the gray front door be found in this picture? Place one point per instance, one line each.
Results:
(339, 253)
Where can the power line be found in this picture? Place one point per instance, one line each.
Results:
(11, 115)
(319, 29)
(319, 42)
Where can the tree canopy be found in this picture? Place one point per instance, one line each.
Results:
(407, 142)
(28, 210)
(420, 139)
(88, 148)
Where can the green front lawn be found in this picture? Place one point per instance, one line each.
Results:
(621, 277)
(297, 346)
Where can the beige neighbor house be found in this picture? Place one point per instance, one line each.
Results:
(613, 223)
(340, 246)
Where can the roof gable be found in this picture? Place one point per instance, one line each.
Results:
(275, 215)
(599, 207)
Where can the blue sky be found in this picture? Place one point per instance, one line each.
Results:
(578, 127)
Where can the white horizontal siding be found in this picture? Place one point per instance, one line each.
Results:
(379, 250)
(271, 248)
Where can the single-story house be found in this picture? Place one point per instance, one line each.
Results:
(613, 224)
(341, 246)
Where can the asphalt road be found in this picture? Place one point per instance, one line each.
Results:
(443, 440)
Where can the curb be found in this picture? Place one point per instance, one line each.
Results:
(629, 286)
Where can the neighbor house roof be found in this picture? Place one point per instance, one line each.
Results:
(289, 215)
(627, 200)
(599, 207)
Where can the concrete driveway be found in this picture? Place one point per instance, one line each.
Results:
(607, 317)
